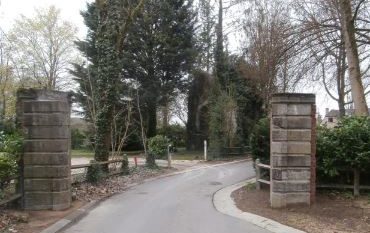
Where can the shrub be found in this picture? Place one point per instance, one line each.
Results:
(158, 146)
(10, 151)
(11, 144)
(77, 139)
(260, 141)
(175, 133)
(8, 169)
(345, 146)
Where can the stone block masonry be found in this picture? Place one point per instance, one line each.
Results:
(293, 164)
(44, 118)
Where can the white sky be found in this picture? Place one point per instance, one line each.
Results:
(70, 10)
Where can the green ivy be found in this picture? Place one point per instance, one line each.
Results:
(260, 141)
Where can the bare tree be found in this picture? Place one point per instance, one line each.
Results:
(348, 28)
(45, 46)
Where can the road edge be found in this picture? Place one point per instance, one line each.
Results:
(78, 214)
(224, 203)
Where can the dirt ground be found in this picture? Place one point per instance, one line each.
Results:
(333, 212)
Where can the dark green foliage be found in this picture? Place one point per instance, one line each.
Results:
(160, 52)
(175, 133)
(158, 146)
(260, 141)
(197, 126)
(221, 124)
(77, 139)
(94, 173)
(11, 146)
(236, 94)
(85, 74)
(8, 169)
(345, 146)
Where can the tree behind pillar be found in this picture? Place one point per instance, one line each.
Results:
(348, 27)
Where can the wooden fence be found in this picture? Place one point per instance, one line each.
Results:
(260, 166)
(78, 176)
(235, 151)
(259, 180)
(11, 190)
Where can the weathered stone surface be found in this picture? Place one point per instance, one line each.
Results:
(47, 200)
(44, 119)
(291, 122)
(46, 158)
(278, 160)
(290, 186)
(287, 109)
(48, 106)
(291, 135)
(282, 200)
(291, 174)
(46, 171)
(47, 132)
(299, 98)
(47, 185)
(43, 95)
(291, 147)
(60, 145)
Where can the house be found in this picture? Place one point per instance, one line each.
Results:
(332, 117)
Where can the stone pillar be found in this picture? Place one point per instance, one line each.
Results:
(293, 141)
(44, 118)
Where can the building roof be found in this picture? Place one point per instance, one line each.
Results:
(335, 113)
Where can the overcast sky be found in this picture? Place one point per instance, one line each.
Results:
(70, 10)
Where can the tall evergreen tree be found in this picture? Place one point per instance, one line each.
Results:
(161, 54)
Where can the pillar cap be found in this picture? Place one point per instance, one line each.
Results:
(293, 98)
(43, 94)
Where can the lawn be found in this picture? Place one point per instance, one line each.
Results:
(181, 154)
(82, 154)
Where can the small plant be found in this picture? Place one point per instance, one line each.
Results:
(12, 144)
(158, 146)
(250, 186)
(94, 173)
(8, 169)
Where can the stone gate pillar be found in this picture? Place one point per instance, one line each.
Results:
(44, 118)
(293, 147)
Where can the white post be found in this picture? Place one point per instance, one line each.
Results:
(169, 157)
(258, 174)
(205, 150)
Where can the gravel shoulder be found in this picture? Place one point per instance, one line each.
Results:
(333, 212)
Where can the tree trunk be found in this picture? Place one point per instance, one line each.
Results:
(165, 114)
(348, 26)
(152, 118)
(356, 182)
(341, 71)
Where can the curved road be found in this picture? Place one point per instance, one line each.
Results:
(175, 204)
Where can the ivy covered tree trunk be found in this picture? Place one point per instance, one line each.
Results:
(112, 30)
